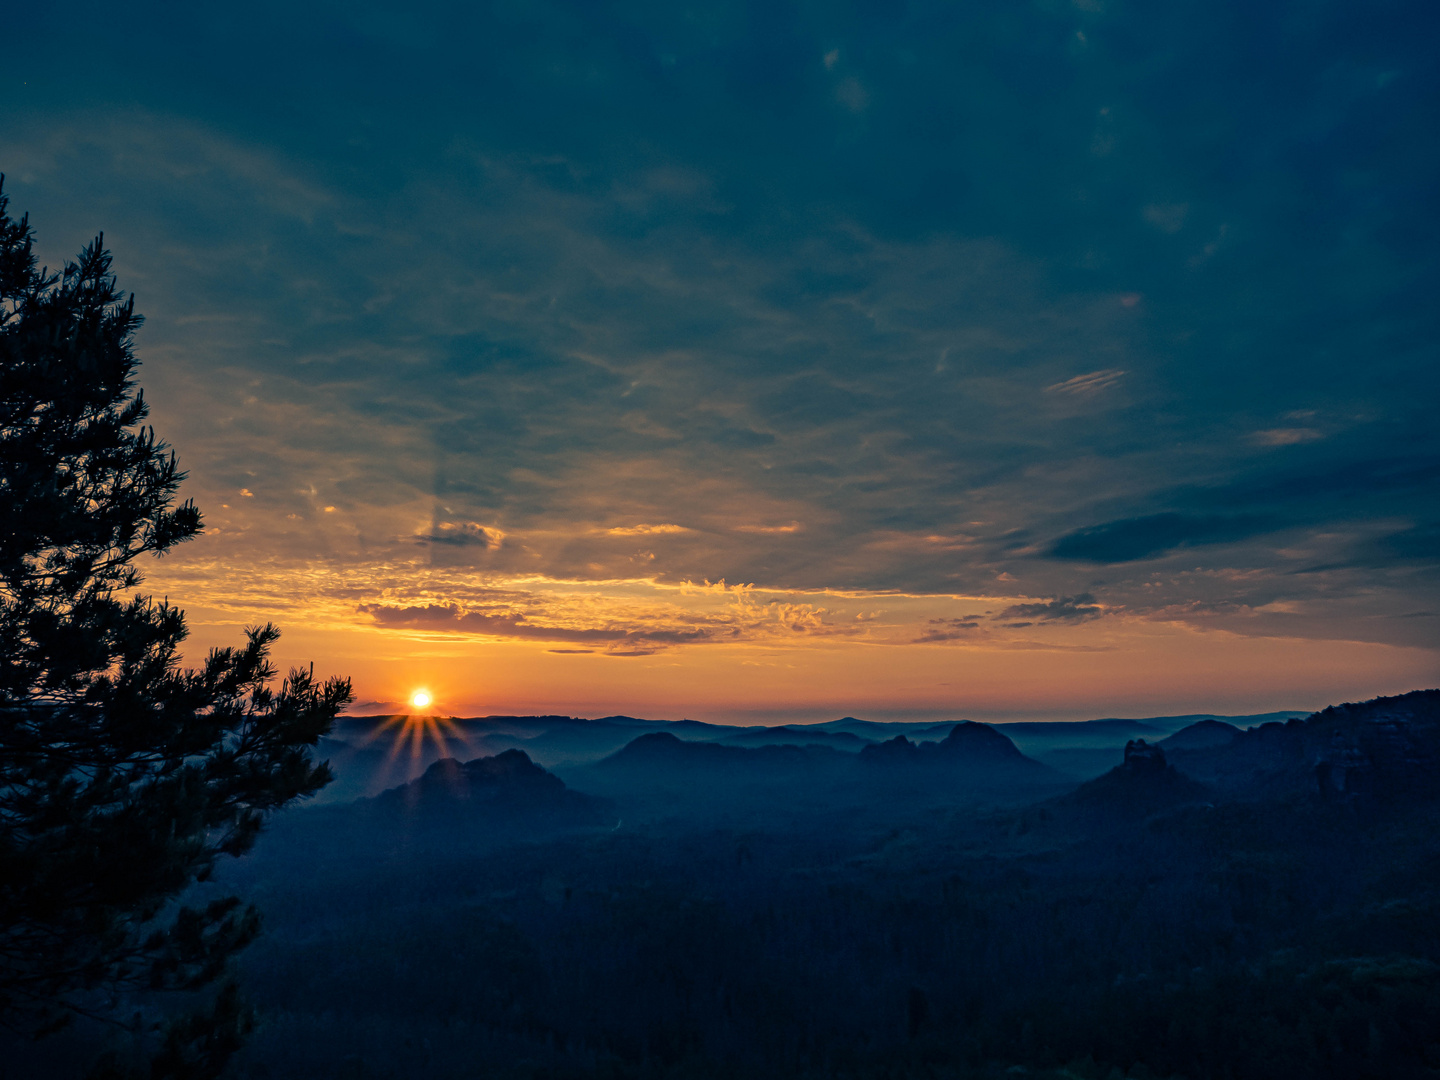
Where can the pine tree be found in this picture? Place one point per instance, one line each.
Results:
(123, 777)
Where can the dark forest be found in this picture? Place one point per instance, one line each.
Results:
(623, 898)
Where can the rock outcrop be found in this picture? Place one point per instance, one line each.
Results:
(1382, 749)
(1142, 784)
(976, 755)
(967, 743)
(1379, 750)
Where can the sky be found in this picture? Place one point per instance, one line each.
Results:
(774, 361)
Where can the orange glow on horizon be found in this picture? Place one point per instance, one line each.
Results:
(794, 657)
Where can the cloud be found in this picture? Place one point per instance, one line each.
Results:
(1167, 217)
(1409, 547)
(448, 618)
(1285, 436)
(660, 270)
(940, 630)
(465, 534)
(1086, 385)
(793, 527)
(851, 93)
(1131, 539)
(1079, 608)
(646, 530)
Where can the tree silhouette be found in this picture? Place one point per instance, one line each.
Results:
(122, 776)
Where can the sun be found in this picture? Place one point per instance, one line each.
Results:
(420, 725)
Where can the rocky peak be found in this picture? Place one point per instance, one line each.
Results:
(1143, 757)
(971, 740)
(891, 751)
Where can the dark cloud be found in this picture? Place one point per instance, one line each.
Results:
(947, 630)
(1130, 539)
(452, 619)
(1417, 544)
(1415, 547)
(466, 534)
(1062, 609)
(1327, 479)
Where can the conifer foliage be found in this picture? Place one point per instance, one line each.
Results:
(123, 777)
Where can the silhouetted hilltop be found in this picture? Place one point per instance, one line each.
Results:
(662, 753)
(1381, 749)
(969, 741)
(363, 749)
(896, 751)
(508, 785)
(1202, 736)
(1068, 729)
(977, 751)
(797, 735)
(966, 742)
(878, 731)
(1173, 724)
(1086, 749)
(1141, 784)
(664, 749)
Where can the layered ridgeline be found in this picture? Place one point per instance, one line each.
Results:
(969, 763)
(372, 754)
(1380, 749)
(1385, 749)
(1226, 899)
(1234, 898)
(1372, 755)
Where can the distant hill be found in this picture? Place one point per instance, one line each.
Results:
(1381, 750)
(797, 735)
(972, 762)
(1175, 723)
(978, 751)
(370, 754)
(1202, 736)
(1143, 783)
(879, 731)
(1068, 729)
(507, 787)
(663, 754)
(1084, 749)
(453, 808)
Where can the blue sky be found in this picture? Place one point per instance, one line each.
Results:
(1118, 314)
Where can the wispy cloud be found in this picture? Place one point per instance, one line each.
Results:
(1085, 385)
(1285, 436)
(1131, 539)
(793, 527)
(646, 530)
(451, 619)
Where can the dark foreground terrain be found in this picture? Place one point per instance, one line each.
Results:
(1231, 899)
